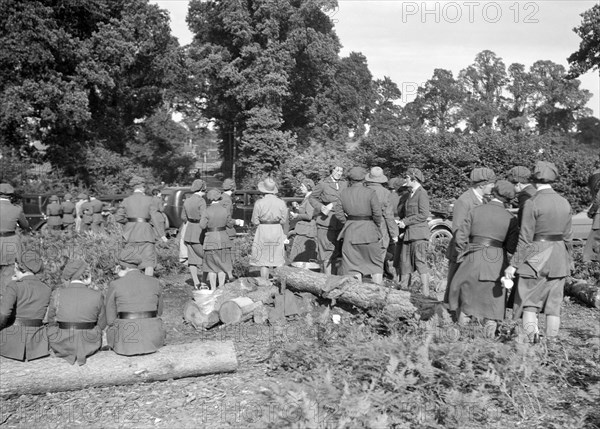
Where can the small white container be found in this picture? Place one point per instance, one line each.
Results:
(507, 283)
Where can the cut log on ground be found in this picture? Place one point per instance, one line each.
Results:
(583, 291)
(348, 290)
(233, 311)
(107, 368)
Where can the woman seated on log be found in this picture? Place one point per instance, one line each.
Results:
(483, 241)
(271, 215)
(217, 244)
(134, 304)
(23, 335)
(304, 246)
(76, 315)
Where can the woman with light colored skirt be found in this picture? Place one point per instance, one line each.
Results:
(270, 214)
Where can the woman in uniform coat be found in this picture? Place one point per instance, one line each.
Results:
(360, 212)
(217, 245)
(483, 241)
(134, 304)
(304, 246)
(54, 214)
(23, 335)
(542, 259)
(270, 214)
(68, 212)
(76, 315)
(194, 214)
(11, 216)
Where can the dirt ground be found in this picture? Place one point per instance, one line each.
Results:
(235, 400)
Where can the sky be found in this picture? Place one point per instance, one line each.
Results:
(407, 40)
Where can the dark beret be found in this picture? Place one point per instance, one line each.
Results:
(357, 174)
(74, 269)
(519, 174)
(416, 173)
(482, 175)
(545, 172)
(198, 185)
(32, 261)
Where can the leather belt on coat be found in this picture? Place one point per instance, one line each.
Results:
(138, 219)
(360, 217)
(76, 325)
(7, 234)
(485, 241)
(137, 314)
(269, 222)
(28, 322)
(193, 220)
(219, 228)
(548, 237)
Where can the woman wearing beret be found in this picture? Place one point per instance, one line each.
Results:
(304, 246)
(217, 245)
(11, 217)
(270, 214)
(23, 335)
(542, 259)
(54, 214)
(413, 218)
(483, 241)
(134, 304)
(194, 214)
(360, 212)
(76, 315)
(68, 213)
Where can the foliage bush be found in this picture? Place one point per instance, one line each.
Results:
(446, 159)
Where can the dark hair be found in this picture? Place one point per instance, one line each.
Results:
(155, 191)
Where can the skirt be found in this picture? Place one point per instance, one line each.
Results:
(542, 295)
(217, 261)
(478, 298)
(195, 253)
(591, 252)
(268, 249)
(362, 259)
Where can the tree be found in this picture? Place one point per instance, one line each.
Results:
(556, 103)
(483, 82)
(386, 118)
(264, 63)
(76, 74)
(516, 114)
(439, 100)
(587, 57)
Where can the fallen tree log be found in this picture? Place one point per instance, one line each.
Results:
(233, 310)
(583, 291)
(107, 368)
(349, 290)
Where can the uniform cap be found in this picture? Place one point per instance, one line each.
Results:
(137, 181)
(54, 198)
(268, 186)
(504, 190)
(519, 174)
(376, 175)
(308, 183)
(228, 184)
(357, 174)
(198, 185)
(129, 258)
(68, 196)
(545, 172)
(416, 173)
(82, 196)
(6, 189)
(482, 175)
(74, 269)
(213, 195)
(32, 261)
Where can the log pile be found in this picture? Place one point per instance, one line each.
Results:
(110, 369)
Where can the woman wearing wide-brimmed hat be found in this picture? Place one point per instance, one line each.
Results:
(217, 244)
(375, 180)
(360, 212)
(271, 215)
(304, 246)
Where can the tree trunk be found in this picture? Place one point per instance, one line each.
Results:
(348, 290)
(107, 368)
(583, 291)
(233, 311)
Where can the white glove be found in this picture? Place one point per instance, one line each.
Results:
(509, 272)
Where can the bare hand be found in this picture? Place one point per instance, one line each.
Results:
(509, 272)
(164, 239)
